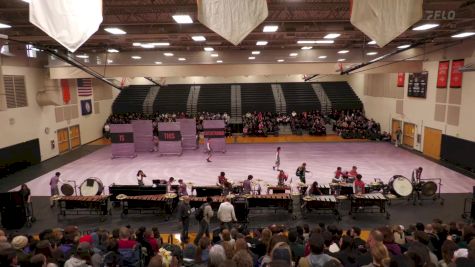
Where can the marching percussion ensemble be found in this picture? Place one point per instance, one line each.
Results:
(372, 197)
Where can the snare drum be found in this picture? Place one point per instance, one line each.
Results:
(91, 187)
(67, 190)
(400, 186)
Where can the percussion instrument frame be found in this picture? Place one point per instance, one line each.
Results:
(320, 206)
(147, 205)
(417, 193)
(271, 201)
(367, 204)
(78, 206)
(467, 210)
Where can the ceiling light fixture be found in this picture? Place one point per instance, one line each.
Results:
(214, 55)
(403, 46)
(114, 30)
(147, 46)
(371, 53)
(209, 49)
(251, 58)
(110, 61)
(424, 27)
(463, 35)
(306, 47)
(136, 44)
(261, 43)
(182, 19)
(168, 54)
(332, 36)
(26, 1)
(343, 51)
(270, 28)
(219, 61)
(112, 50)
(315, 42)
(160, 44)
(256, 52)
(341, 60)
(280, 60)
(136, 57)
(82, 56)
(198, 38)
(293, 54)
(182, 59)
(4, 26)
(158, 62)
(372, 43)
(322, 57)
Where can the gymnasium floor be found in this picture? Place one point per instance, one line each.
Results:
(374, 160)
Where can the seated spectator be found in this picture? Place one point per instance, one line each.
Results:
(202, 252)
(216, 256)
(448, 249)
(242, 259)
(380, 256)
(316, 257)
(82, 256)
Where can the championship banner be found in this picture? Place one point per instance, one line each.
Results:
(169, 137)
(400, 79)
(443, 74)
(417, 84)
(143, 135)
(122, 138)
(215, 130)
(188, 133)
(455, 74)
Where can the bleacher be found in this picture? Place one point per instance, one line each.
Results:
(131, 99)
(341, 95)
(171, 98)
(300, 97)
(257, 97)
(215, 98)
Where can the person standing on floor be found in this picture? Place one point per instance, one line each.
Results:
(205, 213)
(140, 176)
(398, 137)
(184, 211)
(277, 160)
(301, 171)
(209, 149)
(226, 214)
(53, 184)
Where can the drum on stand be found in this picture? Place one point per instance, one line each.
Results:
(67, 189)
(91, 187)
(428, 188)
(400, 186)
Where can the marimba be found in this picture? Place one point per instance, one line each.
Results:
(149, 204)
(84, 205)
(275, 201)
(324, 204)
(369, 203)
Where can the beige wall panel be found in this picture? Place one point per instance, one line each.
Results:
(455, 96)
(441, 95)
(453, 115)
(439, 114)
(400, 107)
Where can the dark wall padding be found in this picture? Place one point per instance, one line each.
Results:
(19, 156)
(458, 151)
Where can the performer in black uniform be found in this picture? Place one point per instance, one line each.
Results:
(300, 172)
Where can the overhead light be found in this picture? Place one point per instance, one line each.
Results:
(214, 55)
(322, 57)
(112, 50)
(372, 43)
(136, 57)
(209, 49)
(371, 53)
(332, 36)
(115, 31)
(315, 42)
(341, 60)
(4, 26)
(182, 59)
(26, 1)
(110, 61)
(424, 27)
(280, 60)
(256, 52)
(305, 42)
(403, 46)
(168, 54)
(324, 42)
(198, 38)
(182, 19)
(219, 61)
(136, 44)
(147, 45)
(463, 35)
(261, 43)
(158, 62)
(343, 51)
(293, 54)
(270, 28)
(82, 56)
(378, 58)
(306, 47)
(251, 58)
(160, 44)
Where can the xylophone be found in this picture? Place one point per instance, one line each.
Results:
(278, 189)
(84, 205)
(149, 204)
(369, 203)
(276, 201)
(324, 204)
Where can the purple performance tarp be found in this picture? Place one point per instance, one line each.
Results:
(169, 136)
(215, 130)
(122, 137)
(188, 133)
(143, 135)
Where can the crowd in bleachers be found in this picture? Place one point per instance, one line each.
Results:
(436, 244)
(260, 124)
(351, 124)
(313, 122)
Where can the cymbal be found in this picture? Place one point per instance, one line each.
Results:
(121, 196)
(55, 197)
(341, 197)
(308, 198)
(170, 195)
(247, 195)
(296, 193)
(391, 196)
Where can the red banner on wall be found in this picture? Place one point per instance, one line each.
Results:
(455, 74)
(443, 74)
(400, 79)
(66, 92)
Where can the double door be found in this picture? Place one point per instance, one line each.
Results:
(69, 138)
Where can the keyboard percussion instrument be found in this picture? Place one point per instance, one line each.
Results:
(84, 205)
(148, 204)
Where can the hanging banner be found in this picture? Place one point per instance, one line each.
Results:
(400, 79)
(443, 74)
(66, 91)
(455, 74)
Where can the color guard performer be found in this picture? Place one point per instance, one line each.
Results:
(301, 172)
(209, 149)
(277, 160)
(282, 178)
(140, 176)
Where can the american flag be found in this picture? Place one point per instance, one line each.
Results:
(84, 87)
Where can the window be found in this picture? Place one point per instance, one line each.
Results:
(15, 91)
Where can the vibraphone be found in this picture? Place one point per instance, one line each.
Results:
(345, 188)
(84, 205)
(196, 202)
(324, 204)
(325, 189)
(369, 203)
(149, 204)
(278, 189)
(275, 201)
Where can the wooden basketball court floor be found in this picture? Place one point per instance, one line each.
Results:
(374, 160)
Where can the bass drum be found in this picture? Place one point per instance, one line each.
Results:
(400, 186)
(429, 189)
(91, 187)
(67, 190)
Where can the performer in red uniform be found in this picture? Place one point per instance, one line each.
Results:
(359, 185)
(353, 173)
(282, 178)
